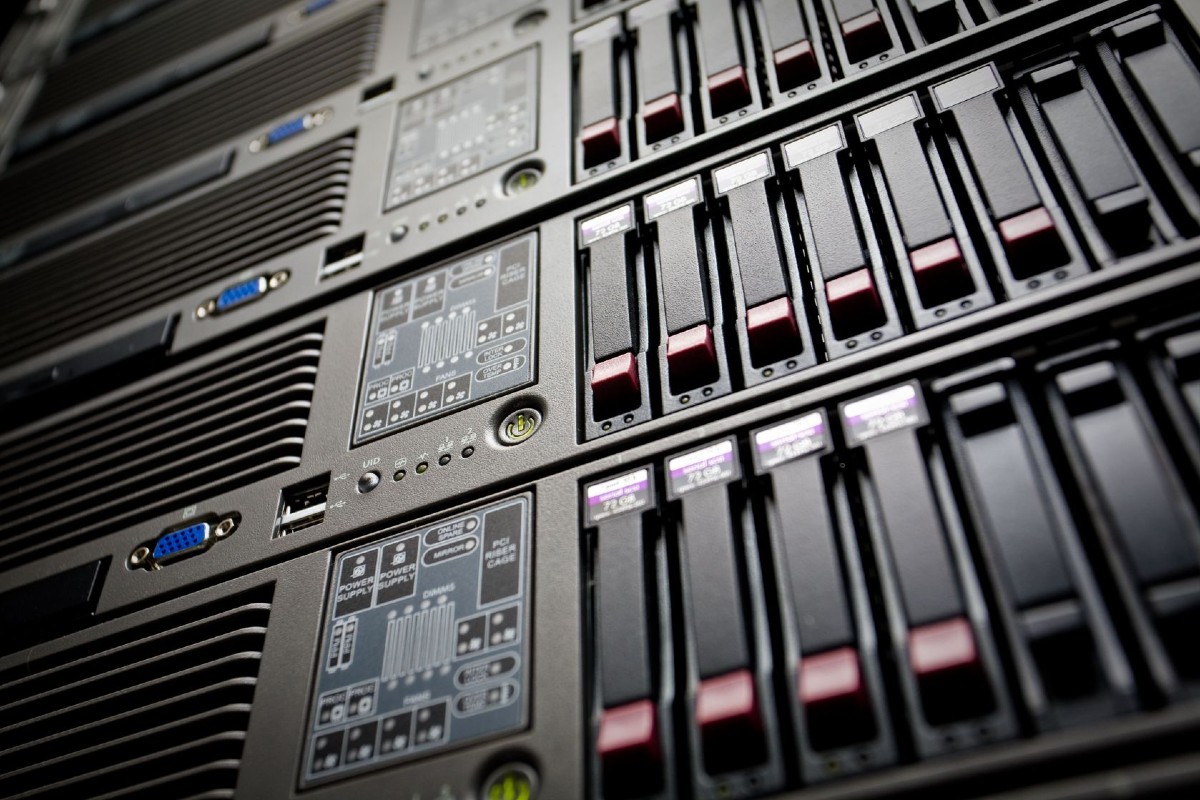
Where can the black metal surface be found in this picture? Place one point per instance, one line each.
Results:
(1049, 508)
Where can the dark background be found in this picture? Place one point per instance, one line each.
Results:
(8, 14)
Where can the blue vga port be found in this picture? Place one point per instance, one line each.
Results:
(286, 130)
(316, 5)
(290, 128)
(178, 543)
(185, 540)
(241, 293)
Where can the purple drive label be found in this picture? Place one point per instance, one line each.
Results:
(892, 410)
(790, 440)
(713, 464)
(625, 493)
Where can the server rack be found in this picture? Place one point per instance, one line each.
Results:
(713, 398)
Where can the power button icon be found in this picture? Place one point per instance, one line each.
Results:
(519, 426)
(513, 782)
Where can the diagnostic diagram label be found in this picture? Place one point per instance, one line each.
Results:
(477, 122)
(441, 21)
(425, 643)
(448, 337)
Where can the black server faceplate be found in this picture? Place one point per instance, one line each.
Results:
(608, 400)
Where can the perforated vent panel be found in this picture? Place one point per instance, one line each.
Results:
(145, 43)
(170, 443)
(268, 213)
(159, 134)
(103, 16)
(158, 711)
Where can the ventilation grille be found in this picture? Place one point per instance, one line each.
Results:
(156, 38)
(101, 9)
(100, 16)
(161, 133)
(167, 446)
(57, 298)
(157, 711)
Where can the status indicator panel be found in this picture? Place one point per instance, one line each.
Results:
(448, 337)
(425, 642)
(442, 21)
(480, 121)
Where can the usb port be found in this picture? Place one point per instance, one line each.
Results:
(377, 90)
(301, 506)
(343, 256)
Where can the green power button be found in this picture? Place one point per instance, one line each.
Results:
(519, 426)
(513, 782)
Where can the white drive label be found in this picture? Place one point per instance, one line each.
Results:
(716, 463)
(790, 440)
(625, 493)
(884, 412)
